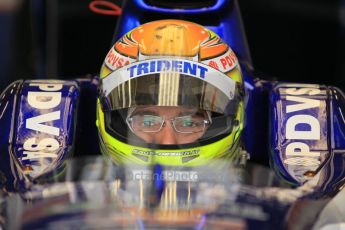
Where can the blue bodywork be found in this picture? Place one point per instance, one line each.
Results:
(300, 127)
(45, 124)
(56, 125)
(39, 122)
(307, 134)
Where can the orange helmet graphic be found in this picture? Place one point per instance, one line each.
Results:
(171, 38)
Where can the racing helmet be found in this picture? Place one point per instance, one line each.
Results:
(170, 64)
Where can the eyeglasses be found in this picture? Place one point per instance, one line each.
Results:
(193, 123)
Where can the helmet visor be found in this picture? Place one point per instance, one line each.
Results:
(169, 82)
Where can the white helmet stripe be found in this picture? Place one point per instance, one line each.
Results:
(170, 66)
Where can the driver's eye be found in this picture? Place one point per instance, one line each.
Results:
(187, 121)
(149, 120)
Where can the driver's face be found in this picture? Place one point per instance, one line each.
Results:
(167, 134)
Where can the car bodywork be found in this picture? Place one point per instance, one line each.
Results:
(299, 127)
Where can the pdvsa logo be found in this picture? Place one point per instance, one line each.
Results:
(223, 63)
(41, 146)
(306, 119)
(116, 60)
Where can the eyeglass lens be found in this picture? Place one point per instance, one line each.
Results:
(184, 124)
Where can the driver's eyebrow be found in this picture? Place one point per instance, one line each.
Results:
(145, 112)
(190, 112)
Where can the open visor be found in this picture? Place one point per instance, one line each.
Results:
(169, 82)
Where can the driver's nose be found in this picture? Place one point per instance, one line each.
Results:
(167, 135)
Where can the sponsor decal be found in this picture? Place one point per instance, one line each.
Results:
(302, 127)
(180, 153)
(38, 151)
(213, 64)
(115, 60)
(223, 63)
(155, 66)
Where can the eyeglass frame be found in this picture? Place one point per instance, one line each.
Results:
(172, 120)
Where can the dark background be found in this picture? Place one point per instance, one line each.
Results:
(290, 40)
